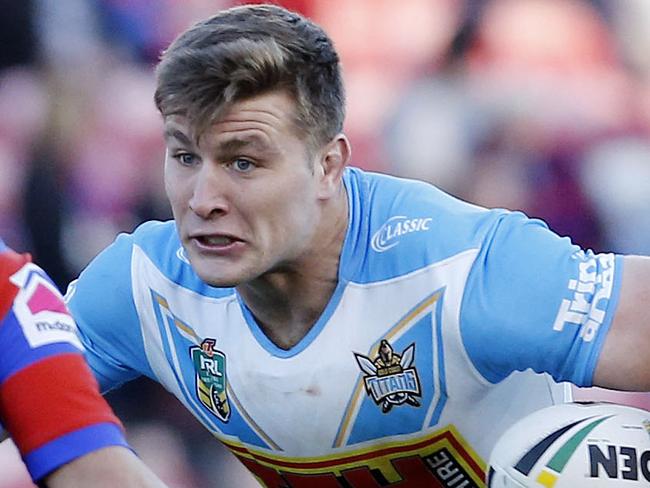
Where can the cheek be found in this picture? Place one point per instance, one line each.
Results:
(281, 208)
(264, 210)
(175, 189)
(296, 212)
(170, 191)
(168, 178)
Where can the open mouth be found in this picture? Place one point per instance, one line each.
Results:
(215, 241)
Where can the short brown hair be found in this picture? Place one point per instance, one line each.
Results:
(250, 50)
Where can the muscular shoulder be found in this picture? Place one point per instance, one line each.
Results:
(407, 224)
(155, 241)
(153, 249)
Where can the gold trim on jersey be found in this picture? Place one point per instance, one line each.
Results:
(444, 454)
(189, 333)
(360, 392)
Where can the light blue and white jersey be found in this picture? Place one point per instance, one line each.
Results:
(449, 322)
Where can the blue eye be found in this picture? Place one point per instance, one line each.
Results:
(242, 165)
(186, 159)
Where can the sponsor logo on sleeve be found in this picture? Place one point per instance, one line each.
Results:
(590, 295)
(40, 310)
(389, 234)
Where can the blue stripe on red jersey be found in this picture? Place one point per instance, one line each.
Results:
(49, 400)
(66, 448)
(20, 354)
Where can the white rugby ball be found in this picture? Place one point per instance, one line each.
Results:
(574, 445)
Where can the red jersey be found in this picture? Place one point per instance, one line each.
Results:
(49, 399)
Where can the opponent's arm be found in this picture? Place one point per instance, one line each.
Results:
(105, 468)
(624, 363)
(49, 401)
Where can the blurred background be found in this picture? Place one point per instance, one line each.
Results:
(538, 105)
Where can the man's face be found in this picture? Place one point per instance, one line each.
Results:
(246, 199)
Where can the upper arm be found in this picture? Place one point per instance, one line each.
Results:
(42, 359)
(101, 301)
(625, 359)
(535, 300)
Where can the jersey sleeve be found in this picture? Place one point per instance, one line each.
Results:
(49, 400)
(536, 301)
(101, 301)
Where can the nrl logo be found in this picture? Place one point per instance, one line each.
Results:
(210, 367)
(390, 379)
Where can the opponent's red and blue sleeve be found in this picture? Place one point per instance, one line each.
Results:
(49, 400)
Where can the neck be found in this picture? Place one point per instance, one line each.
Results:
(288, 301)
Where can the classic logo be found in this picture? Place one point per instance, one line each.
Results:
(390, 379)
(210, 367)
(182, 255)
(388, 234)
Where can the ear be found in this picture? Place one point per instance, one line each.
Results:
(333, 159)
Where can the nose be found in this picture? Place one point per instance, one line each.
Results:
(209, 196)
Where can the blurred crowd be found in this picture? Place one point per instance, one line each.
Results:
(536, 105)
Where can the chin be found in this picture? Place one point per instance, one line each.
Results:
(215, 277)
(219, 280)
(223, 273)
(224, 278)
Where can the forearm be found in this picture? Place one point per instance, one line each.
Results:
(624, 362)
(105, 468)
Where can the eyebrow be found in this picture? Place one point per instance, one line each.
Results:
(235, 144)
(173, 133)
(228, 147)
